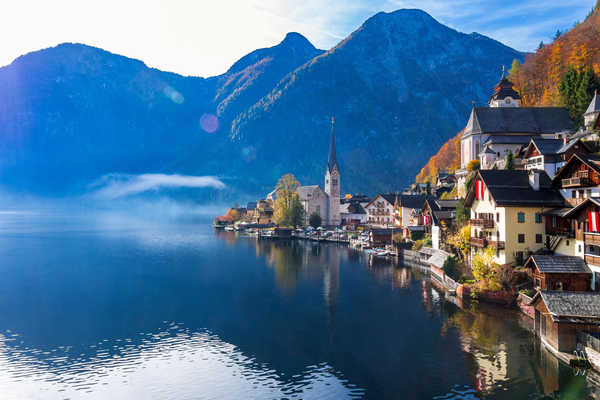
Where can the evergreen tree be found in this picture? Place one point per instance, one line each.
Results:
(557, 34)
(315, 220)
(541, 45)
(576, 90)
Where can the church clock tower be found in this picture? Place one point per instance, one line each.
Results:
(332, 182)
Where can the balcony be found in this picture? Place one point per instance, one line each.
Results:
(592, 259)
(482, 242)
(576, 182)
(482, 223)
(592, 238)
(567, 233)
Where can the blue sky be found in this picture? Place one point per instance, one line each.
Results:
(204, 37)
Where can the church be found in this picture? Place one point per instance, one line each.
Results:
(325, 203)
(505, 126)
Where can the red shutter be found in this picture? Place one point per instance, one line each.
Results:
(479, 189)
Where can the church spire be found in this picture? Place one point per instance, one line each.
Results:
(332, 160)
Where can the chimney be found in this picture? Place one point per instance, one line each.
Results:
(565, 139)
(534, 179)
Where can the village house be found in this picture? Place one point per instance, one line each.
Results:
(353, 213)
(382, 236)
(507, 212)
(408, 209)
(505, 126)
(438, 216)
(561, 315)
(326, 202)
(263, 213)
(381, 210)
(551, 154)
(579, 178)
(558, 272)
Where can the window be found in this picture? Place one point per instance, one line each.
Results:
(521, 238)
(497, 217)
(588, 193)
(519, 257)
(521, 217)
(538, 218)
(538, 238)
(554, 221)
(579, 248)
(573, 194)
(537, 282)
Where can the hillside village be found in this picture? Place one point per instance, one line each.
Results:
(518, 223)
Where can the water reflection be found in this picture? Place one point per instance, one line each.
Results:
(179, 312)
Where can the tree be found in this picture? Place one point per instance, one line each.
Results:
(557, 34)
(576, 90)
(315, 220)
(473, 165)
(485, 270)
(541, 45)
(462, 213)
(461, 241)
(233, 214)
(451, 268)
(509, 161)
(288, 209)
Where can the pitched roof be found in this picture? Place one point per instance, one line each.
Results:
(523, 120)
(508, 139)
(438, 258)
(512, 188)
(590, 160)
(447, 204)
(412, 200)
(594, 106)
(352, 208)
(558, 264)
(581, 206)
(572, 306)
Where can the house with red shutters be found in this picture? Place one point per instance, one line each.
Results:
(438, 217)
(507, 208)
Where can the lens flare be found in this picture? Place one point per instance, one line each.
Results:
(249, 153)
(173, 95)
(209, 123)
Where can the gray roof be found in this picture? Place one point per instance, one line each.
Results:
(438, 258)
(594, 106)
(523, 120)
(575, 306)
(352, 208)
(560, 212)
(512, 188)
(555, 264)
(508, 139)
(412, 200)
(447, 204)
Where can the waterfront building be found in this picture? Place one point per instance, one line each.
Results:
(325, 203)
(409, 208)
(505, 126)
(438, 216)
(353, 213)
(263, 212)
(561, 315)
(559, 272)
(551, 154)
(507, 212)
(381, 210)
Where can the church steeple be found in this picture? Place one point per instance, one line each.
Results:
(332, 160)
(504, 94)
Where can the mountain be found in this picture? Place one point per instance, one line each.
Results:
(537, 80)
(399, 86)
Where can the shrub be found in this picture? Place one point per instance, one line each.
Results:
(452, 268)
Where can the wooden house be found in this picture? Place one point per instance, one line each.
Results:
(579, 178)
(551, 154)
(556, 272)
(560, 315)
(382, 237)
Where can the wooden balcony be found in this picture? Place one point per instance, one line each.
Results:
(576, 182)
(592, 259)
(567, 233)
(592, 239)
(482, 242)
(482, 222)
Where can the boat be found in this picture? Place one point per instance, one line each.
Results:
(229, 228)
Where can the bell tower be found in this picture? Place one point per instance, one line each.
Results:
(332, 182)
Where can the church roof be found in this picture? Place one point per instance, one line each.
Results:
(518, 120)
(332, 159)
(304, 191)
(504, 89)
(594, 106)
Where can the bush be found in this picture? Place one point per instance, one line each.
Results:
(452, 268)
(417, 235)
(315, 220)
(419, 244)
(473, 165)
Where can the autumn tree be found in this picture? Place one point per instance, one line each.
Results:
(473, 165)
(485, 270)
(288, 209)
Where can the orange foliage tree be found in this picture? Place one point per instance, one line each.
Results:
(448, 157)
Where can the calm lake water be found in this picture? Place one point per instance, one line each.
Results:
(109, 308)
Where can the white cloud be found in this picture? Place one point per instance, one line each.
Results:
(114, 186)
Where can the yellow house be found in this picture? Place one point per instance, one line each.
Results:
(507, 208)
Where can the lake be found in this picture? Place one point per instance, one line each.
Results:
(108, 307)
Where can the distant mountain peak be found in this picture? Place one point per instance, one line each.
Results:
(295, 39)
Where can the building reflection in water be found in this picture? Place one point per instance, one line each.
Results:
(498, 351)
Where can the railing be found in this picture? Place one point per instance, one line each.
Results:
(580, 181)
(561, 232)
(482, 222)
(482, 242)
(592, 238)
